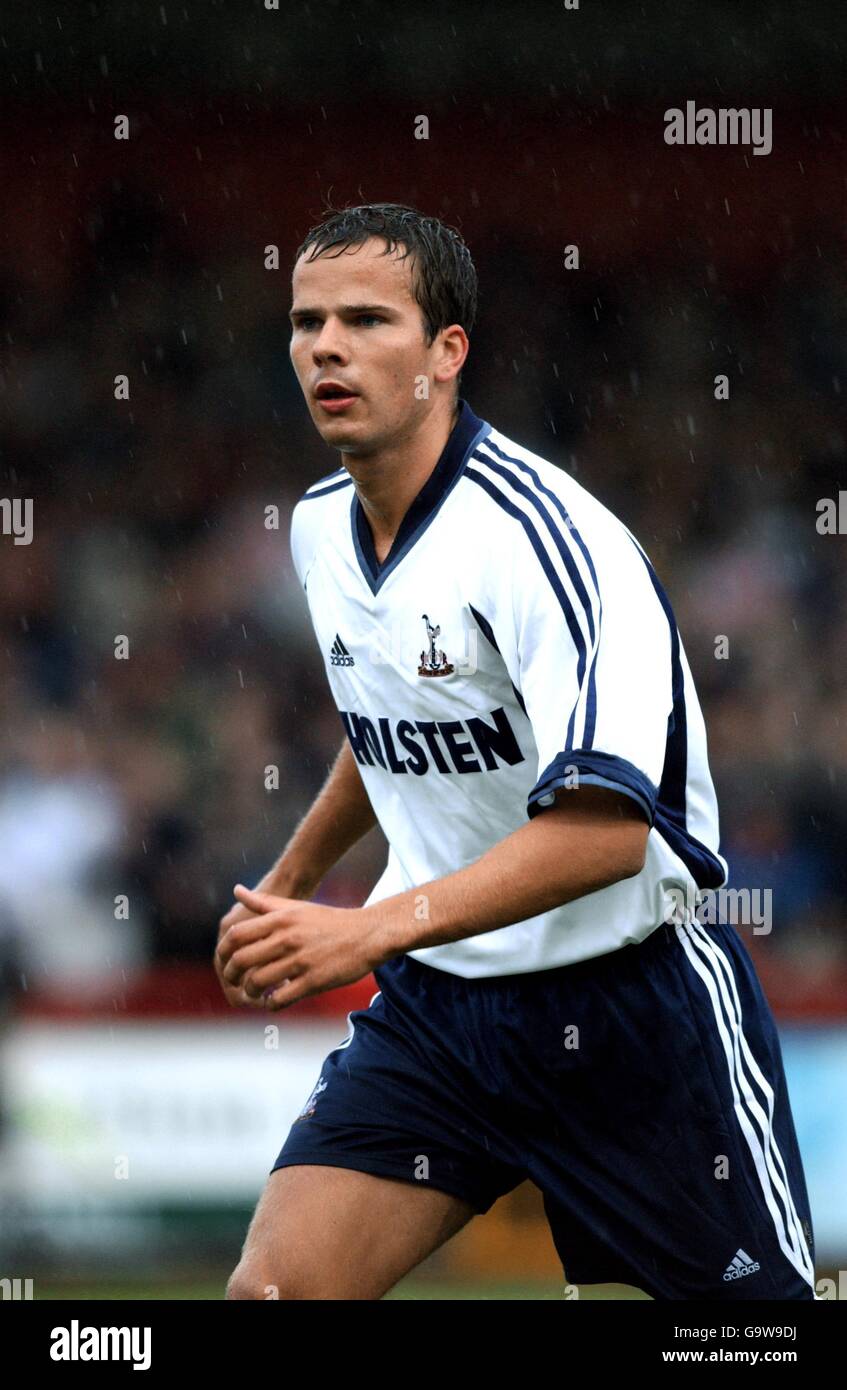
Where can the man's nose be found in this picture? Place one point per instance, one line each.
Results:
(330, 343)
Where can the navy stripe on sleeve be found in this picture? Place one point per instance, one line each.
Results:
(555, 583)
(560, 541)
(488, 633)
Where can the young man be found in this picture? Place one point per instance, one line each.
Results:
(520, 718)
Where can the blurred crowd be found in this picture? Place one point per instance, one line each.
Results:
(134, 792)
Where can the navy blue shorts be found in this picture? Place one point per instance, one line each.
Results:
(643, 1092)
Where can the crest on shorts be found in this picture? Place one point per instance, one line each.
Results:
(309, 1107)
(433, 661)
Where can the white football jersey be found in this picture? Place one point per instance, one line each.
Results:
(515, 640)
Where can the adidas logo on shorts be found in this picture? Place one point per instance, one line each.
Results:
(740, 1265)
(339, 655)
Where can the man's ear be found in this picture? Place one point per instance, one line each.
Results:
(453, 347)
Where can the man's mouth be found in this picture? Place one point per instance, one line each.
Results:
(333, 396)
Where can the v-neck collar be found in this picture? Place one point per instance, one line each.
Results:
(464, 437)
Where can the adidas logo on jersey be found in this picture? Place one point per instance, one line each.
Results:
(339, 655)
(740, 1265)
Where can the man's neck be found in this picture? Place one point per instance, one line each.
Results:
(388, 484)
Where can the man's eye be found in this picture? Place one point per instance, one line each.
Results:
(306, 324)
(369, 318)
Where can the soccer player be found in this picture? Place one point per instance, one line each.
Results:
(520, 718)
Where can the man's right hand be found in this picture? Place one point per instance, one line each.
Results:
(234, 994)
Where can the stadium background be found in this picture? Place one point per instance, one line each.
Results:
(139, 1115)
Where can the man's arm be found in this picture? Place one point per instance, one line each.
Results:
(337, 819)
(591, 838)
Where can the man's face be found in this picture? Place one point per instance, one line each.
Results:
(355, 322)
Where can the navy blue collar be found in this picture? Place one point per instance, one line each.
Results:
(466, 434)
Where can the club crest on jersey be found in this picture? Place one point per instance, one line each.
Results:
(433, 661)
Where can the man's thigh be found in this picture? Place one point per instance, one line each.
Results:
(335, 1233)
